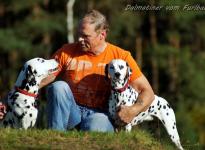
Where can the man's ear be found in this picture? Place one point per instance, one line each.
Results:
(103, 34)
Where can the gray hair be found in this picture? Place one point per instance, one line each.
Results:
(97, 18)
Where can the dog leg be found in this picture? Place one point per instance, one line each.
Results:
(128, 127)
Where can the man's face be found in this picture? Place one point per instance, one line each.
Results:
(88, 38)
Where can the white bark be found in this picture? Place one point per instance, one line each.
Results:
(70, 35)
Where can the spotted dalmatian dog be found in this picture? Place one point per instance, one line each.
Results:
(21, 111)
(123, 94)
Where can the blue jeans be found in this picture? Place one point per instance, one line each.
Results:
(64, 113)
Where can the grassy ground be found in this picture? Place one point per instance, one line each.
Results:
(11, 139)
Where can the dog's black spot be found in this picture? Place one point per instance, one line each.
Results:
(29, 69)
(155, 113)
(117, 100)
(10, 122)
(173, 127)
(9, 109)
(32, 82)
(14, 96)
(121, 67)
(17, 105)
(123, 103)
(167, 114)
(30, 115)
(149, 109)
(23, 85)
(159, 107)
(5, 123)
(158, 103)
(28, 106)
(168, 105)
(163, 122)
(25, 101)
(35, 72)
(139, 121)
(27, 88)
(143, 114)
(19, 116)
(164, 107)
(31, 124)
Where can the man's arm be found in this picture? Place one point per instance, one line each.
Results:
(47, 80)
(144, 100)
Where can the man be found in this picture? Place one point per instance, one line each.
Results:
(82, 97)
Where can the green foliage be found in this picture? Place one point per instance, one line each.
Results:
(15, 43)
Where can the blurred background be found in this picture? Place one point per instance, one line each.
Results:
(167, 39)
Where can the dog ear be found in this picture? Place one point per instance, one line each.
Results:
(29, 73)
(106, 71)
(129, 70)
(30, 76)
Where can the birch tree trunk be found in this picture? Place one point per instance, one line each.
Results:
(70, 35)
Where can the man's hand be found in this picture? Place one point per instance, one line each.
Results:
(126, 113)
(2, 110)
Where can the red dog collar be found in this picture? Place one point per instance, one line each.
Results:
(121, 89)
(25, 92)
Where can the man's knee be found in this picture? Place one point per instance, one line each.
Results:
(58, 86)
(59, 91)
(97, 122)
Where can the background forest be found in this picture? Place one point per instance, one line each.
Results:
(168, 44)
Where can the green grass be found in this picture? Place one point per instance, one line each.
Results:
(33, 139)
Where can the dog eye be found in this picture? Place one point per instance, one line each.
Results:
(111, 67)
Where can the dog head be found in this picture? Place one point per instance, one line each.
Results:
(34, 71)
(119, 72)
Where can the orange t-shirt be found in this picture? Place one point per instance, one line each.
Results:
(85, 73)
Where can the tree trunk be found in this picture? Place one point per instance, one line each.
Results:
(90, 4)
(138, 56)
(153, 39)
(70, 35)
(173, 64)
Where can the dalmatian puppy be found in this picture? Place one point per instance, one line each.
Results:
(21, 111)
(123, 94)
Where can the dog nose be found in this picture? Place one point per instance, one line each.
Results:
(117, 74)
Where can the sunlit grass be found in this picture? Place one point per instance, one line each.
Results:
(75, 140)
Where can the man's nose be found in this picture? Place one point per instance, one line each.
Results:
(80, 39)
